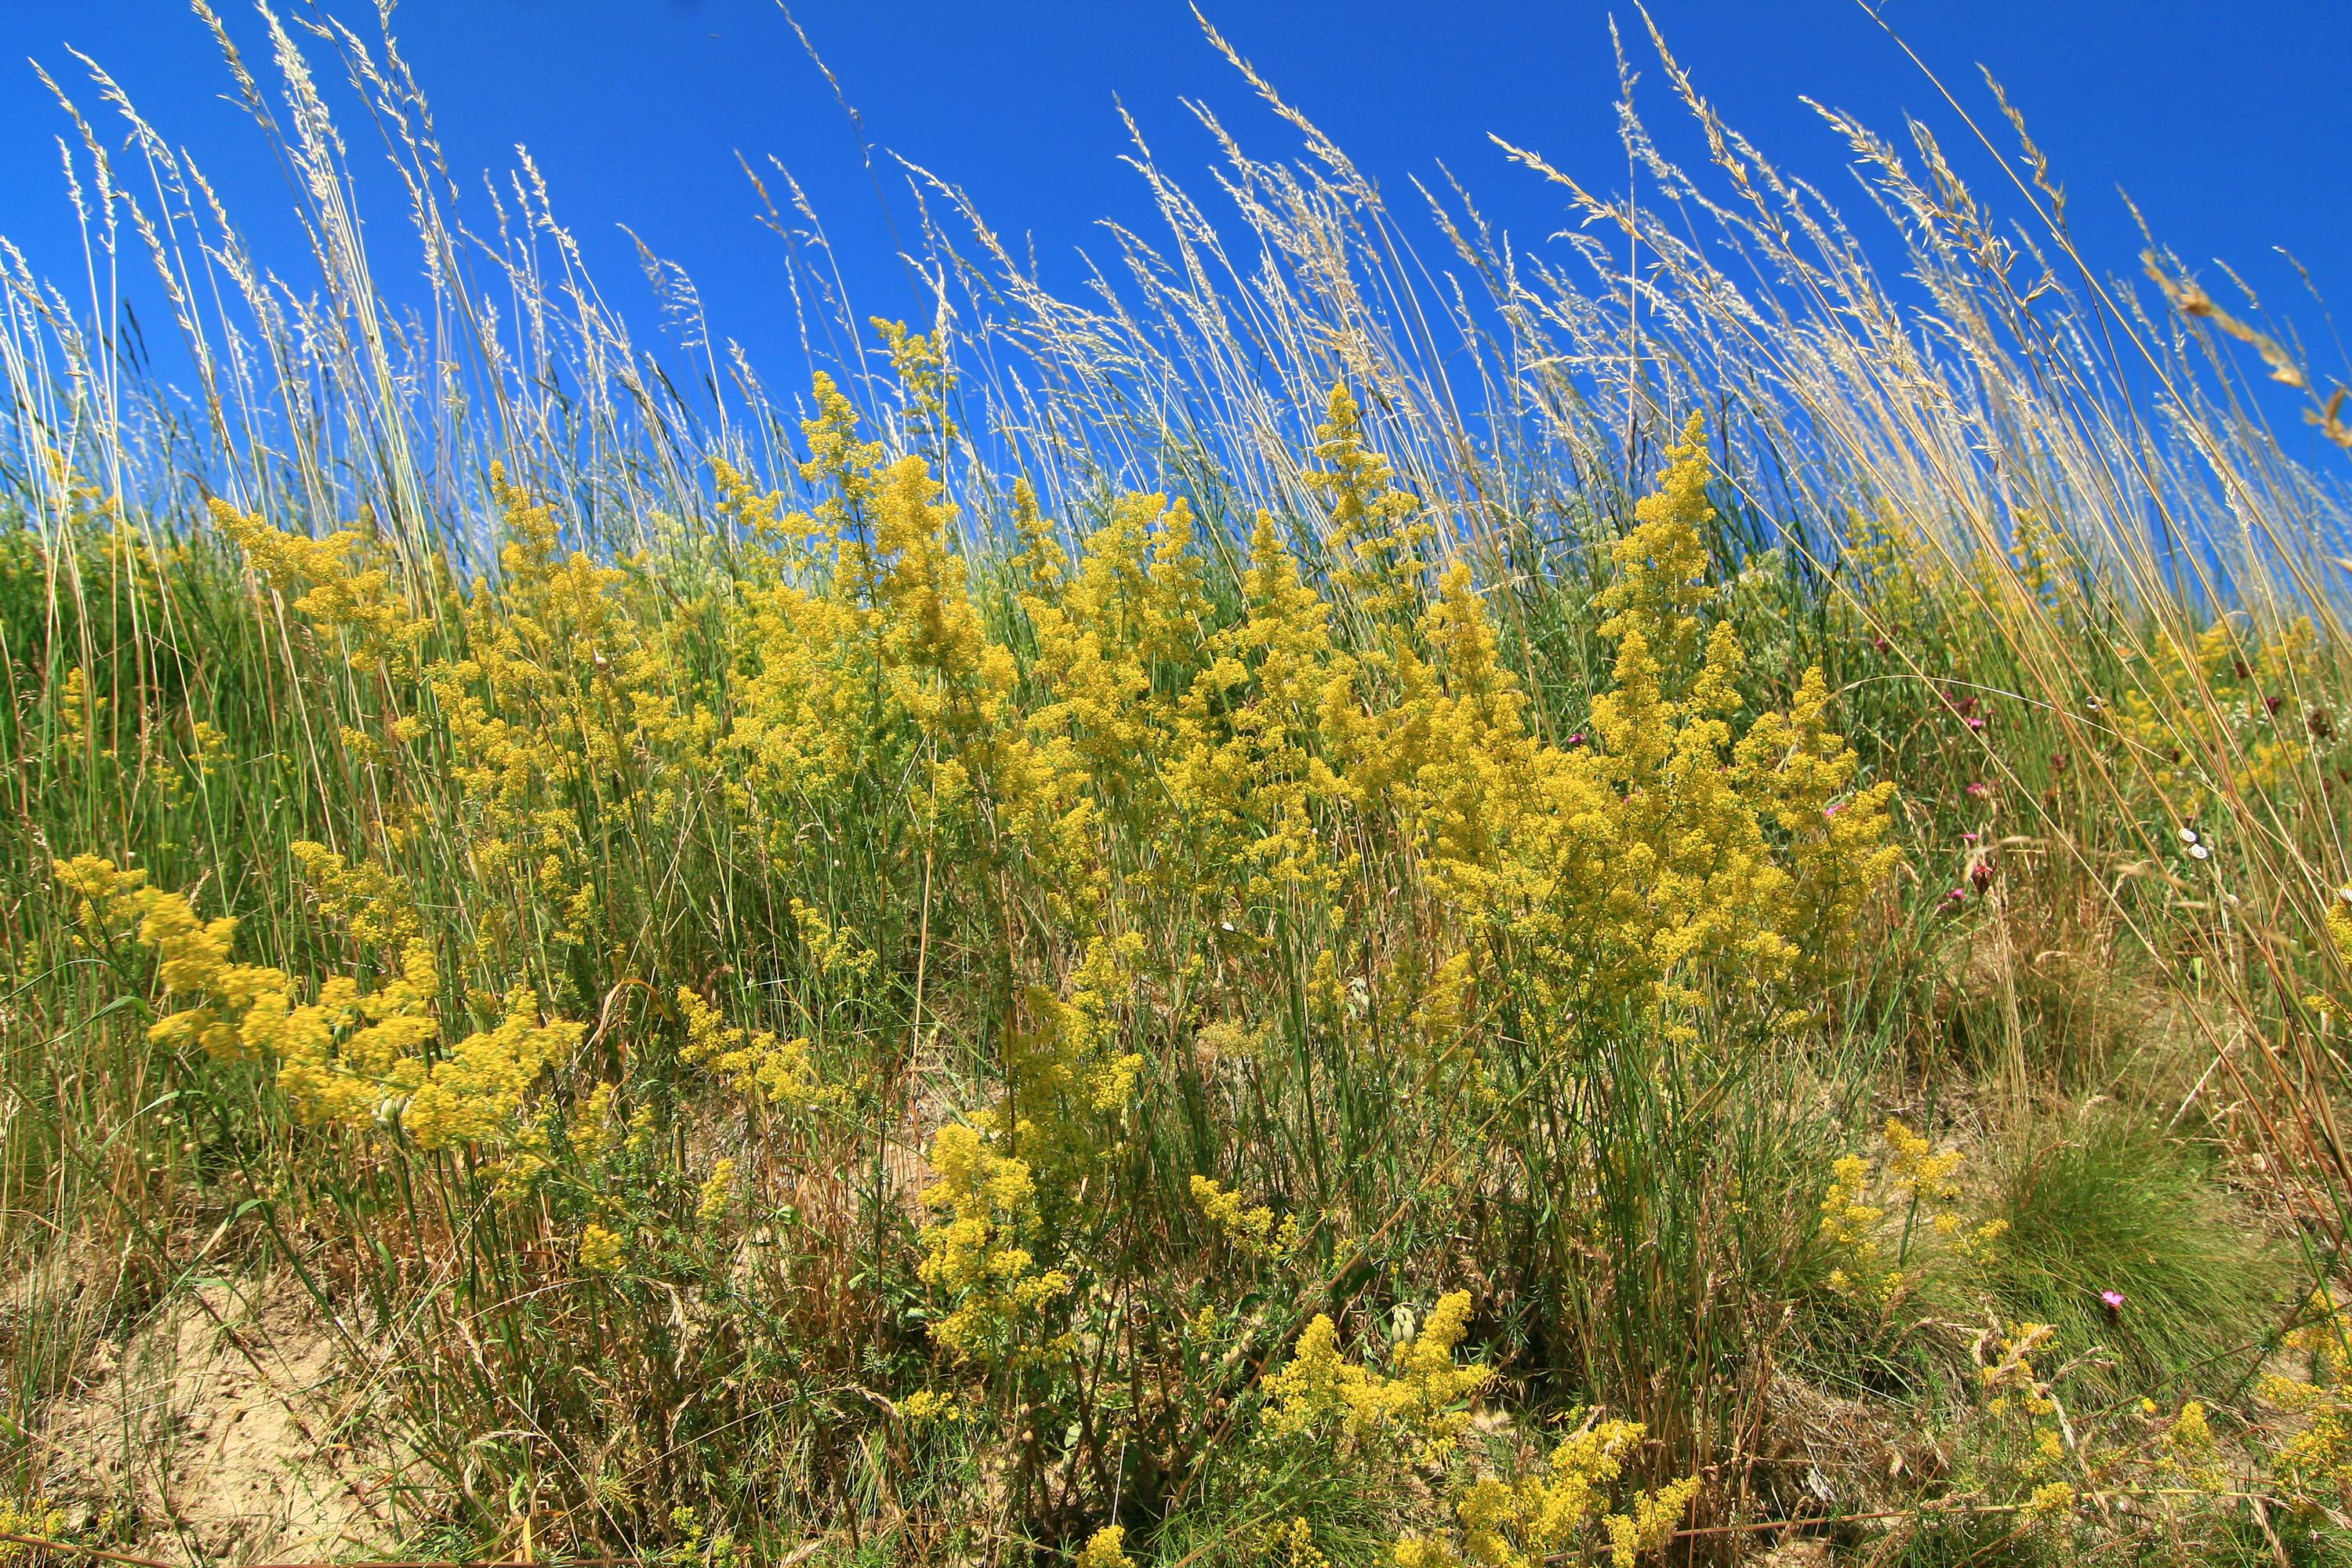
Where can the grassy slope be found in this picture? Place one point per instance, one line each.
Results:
(861, 784)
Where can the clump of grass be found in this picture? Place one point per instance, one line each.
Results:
(2102, 1202)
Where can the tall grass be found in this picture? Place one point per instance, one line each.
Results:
(967, 963)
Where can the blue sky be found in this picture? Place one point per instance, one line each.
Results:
(2225, 123)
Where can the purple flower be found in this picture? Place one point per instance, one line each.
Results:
(1577, 739)
(2112, 1301)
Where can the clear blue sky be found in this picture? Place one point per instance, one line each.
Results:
(2225, 121)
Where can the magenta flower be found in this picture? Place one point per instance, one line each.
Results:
(1978, 790)
(2112, 1301)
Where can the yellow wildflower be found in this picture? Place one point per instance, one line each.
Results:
(754, 1061)
(716, 1196)
(602, 1251)
(1106, 1547)
(976, 1253)
(1418, 1407)
(1252, 1230)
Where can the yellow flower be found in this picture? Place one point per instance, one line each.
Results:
(1650, 1525)
(476, 1088)
(925, 1405)
(976, 1254)
(1292, 1545)
(1918, 1172)
(1663, 859)
(602, 1251)
(1419, 1407)
(2050, 1500)
(29, 1518)
(756, 1062)
(1252, 1230)
(1105, 1549)
(1375, 544)
(717, 1194)
(1556, 1507)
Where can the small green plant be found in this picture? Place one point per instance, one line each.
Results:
(2118, 1234)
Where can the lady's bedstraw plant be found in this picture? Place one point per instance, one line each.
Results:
(1874, 1245)
(1667, 852)
(976, 1253)
(347, 1056)
(2315, 1397)
(1419, 1413)
(1560, 1504)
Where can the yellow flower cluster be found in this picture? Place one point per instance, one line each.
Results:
(550, 691)
(1292, 1545)
(1420, 1408)
(345, 583)
(924, 378)
(976, 1254)
(28, 1518)
(1252, 1231)
(1117, 740)
(1665, 852)
(1920, 1181)
(1849, 1227)
(601, 1250)
(1531, 1518)
(925, 1405)
(2187, 1454)
(1063, 1077)
(366, 898)
(1919, 1173)
(1106, 1547)
(2051, 1500)
(2315, 1462)
(80, 713)
(476, 1089)
(2011, 1380)
(759, 1062)
(1377, 546)
(716, 1194)
(348, 1057)
(2196, 712)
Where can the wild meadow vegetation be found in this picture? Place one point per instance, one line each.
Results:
(1668, 897)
